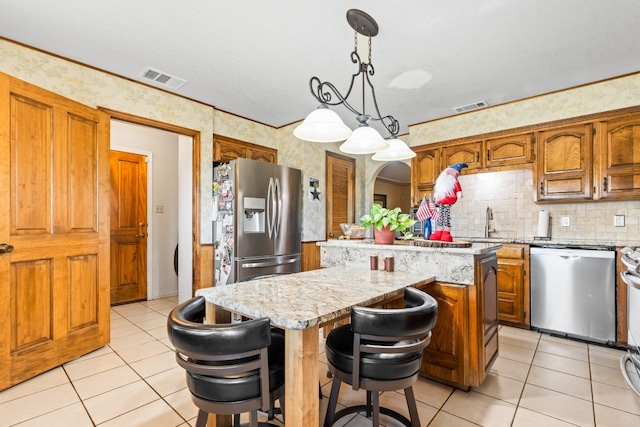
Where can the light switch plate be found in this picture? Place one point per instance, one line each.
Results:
(566, 221)
(618, 220)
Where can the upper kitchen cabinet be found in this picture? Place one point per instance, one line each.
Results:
(563, 170)
(468, 153)
(425, 168)
(509, 150)
(618, 162)
(227, 149)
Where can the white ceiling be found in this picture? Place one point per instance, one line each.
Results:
(254, 58)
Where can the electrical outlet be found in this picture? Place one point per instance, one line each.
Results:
(566, 221)
(618, 220)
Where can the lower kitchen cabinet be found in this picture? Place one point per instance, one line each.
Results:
(513, 285)
(464, 341)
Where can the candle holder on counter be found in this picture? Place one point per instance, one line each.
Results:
(388, 263)
(373, 262)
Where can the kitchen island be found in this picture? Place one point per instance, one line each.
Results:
(300, 303)
(464, 344)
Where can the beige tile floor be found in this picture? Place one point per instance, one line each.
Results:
(538, 380)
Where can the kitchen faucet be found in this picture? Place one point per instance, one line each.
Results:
(488, 218)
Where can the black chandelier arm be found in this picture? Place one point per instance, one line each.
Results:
(325, 92)
(390, 124)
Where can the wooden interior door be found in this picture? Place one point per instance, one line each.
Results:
(128, 227)
(340, 193)
(54, 214)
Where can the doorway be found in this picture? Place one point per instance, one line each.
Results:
(393, 184)
(169, 207)
(340, 175)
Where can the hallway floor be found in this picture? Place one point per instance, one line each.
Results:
(538, 380)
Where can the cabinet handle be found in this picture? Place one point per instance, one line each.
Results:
(140, 235)
(604, 184)
(541, 187)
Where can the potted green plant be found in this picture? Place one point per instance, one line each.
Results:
(386, 222)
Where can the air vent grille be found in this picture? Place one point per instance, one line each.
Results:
(470, 107)
(162, 78)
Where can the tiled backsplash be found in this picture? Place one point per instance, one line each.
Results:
(515, 215)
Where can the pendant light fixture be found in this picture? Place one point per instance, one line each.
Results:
(324, 125)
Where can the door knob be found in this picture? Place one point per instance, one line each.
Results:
(140, 235)
(5, 248)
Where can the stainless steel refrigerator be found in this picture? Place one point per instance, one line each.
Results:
(257, 220)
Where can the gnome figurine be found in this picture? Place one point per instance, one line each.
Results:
(446, 192)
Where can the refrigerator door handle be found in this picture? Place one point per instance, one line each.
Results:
(268, 264)
(270, 209)
(278, 220)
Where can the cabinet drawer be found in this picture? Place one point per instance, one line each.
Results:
(514, 252)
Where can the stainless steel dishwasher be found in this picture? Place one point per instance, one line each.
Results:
(573, 292)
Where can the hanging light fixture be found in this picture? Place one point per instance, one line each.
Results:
(324, 125)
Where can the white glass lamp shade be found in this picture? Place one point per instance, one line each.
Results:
(322, 125)
(397, 150)
(365, 140)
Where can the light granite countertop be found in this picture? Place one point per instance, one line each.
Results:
(450, 265)
(301, 300)
(552, 241)
(476, 248)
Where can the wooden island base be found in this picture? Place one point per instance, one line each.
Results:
(464, 343)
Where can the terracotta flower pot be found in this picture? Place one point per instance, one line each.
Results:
(384, 236)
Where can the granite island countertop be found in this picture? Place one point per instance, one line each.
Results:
(302, 300)
(451, 265)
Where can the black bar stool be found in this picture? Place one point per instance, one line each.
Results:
(381, 350)
(231, 368)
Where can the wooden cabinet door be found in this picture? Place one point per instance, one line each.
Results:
(487, 280)
(564, 168)
(509, 150)
(468, 153)
(227, 149)
(54, 286)
(445, 357)
(225, 152)
(510, 287)
(619, 147)
(425, 168)
(260, 155)
(513, 289)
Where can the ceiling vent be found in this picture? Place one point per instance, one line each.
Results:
(162, 78)
(470, 107)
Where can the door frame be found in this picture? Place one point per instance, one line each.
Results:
(149, 254)
(195, 188)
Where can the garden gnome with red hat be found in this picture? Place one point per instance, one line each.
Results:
(446, 192)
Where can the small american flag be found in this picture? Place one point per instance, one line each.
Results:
(427, 209)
